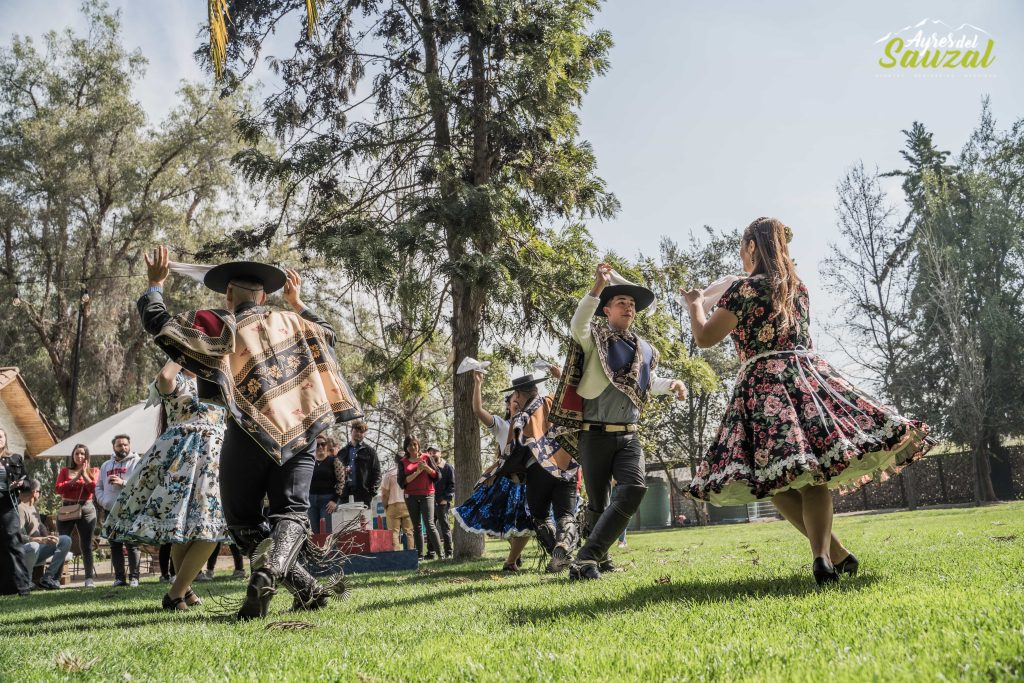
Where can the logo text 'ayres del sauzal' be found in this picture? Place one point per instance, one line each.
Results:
(934, 44)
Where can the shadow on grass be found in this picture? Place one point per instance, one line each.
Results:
(692, 591)
(103, 609)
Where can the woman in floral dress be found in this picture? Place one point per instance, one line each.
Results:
(173, 496)
(794, 427)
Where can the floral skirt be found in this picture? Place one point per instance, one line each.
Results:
(794, 420)
(173, 495)
(498, 509)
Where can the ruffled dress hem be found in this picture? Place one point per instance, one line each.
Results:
(737, 484)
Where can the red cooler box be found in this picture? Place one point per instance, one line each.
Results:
(366, 542)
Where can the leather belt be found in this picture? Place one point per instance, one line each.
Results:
(611, 429)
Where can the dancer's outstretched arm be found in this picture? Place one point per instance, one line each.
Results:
(708, 332)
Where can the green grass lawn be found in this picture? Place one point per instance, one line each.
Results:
(940, 596)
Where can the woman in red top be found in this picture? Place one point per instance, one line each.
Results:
(419, 472)
(76, 483)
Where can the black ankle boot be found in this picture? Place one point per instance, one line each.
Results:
(258, 595)
(584, 571)
(849, 565)
(823, 571)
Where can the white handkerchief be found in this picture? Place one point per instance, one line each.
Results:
(541, 365)
(714, 291)
(195, 271)
(469, 364)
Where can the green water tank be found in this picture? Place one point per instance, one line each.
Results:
(655, 511)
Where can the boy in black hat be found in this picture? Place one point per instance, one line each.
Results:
(609, 376)
(276, 373)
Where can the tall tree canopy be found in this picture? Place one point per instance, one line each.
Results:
(440, 134)
(85, 183)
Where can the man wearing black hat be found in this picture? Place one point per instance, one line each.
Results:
(609, 375)
(277, 376)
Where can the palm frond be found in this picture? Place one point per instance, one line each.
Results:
(312, 15)
(218, 18)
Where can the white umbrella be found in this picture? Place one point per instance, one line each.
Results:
(140, 422)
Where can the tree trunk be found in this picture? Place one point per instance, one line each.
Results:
(466, 313)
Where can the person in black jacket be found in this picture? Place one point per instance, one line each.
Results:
(14, 575)
(362, 469)
(444, 494)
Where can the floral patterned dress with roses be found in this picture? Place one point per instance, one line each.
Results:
(793, 420)
(173, 495)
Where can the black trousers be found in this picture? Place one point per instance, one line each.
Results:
(14, 576)
(443, 523)
(606, 456)
(545, 493)
(86, 526)
(248, 475)
(117, 553)
(166, 565)
(610, 456)
(421, 511)
(236, 556)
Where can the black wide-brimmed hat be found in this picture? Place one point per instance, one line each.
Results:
(642, 296)
(526, 381)
(271, 277)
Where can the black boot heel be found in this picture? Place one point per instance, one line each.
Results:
(848, 566)
(823, 571)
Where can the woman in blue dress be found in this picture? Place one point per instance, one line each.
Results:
(173, 496)
(498, 505)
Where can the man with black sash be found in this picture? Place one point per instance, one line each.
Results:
(609, 375)
(536, 452)
(277, 375)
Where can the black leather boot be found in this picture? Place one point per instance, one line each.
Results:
(261, 587)
(565, 543)
(271, 561)
(545, 534)
(625, 501)
(307, 592)
(258, 594)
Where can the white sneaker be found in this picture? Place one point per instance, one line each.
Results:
(238, 574)
(134, 583)
(89, 583)
(205, 576)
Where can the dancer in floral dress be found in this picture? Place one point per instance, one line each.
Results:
(173, 496)
(795, 427)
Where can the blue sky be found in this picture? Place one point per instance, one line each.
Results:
(713, 112)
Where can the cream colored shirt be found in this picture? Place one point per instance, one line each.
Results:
(594, 378)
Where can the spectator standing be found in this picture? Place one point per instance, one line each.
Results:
(419, 475)
(362, 469)
(113, 475)
(211, 564)
(14, 575)
(39, 544)
(444, 494)
(395, 509)
(76, 485)
(327, 485)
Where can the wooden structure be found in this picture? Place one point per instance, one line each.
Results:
(28, 430)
